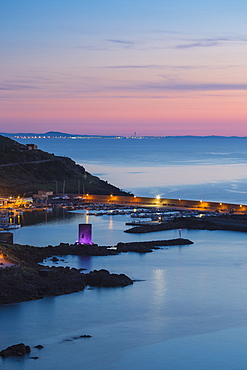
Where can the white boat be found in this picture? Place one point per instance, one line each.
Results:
(11, 227)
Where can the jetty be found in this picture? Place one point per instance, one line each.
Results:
(221, 222)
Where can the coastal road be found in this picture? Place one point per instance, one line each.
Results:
(14, 164)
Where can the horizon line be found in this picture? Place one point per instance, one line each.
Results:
(54, 134)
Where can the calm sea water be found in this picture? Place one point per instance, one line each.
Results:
(191, 168)
(187, 309)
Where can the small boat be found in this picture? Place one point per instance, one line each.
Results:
(11, 227)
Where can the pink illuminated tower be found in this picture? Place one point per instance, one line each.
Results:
(85, 234)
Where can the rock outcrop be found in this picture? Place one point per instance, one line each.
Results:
(25, 284)
(16, 350)
(103, 278)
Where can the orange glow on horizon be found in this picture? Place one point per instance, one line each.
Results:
(189, 113)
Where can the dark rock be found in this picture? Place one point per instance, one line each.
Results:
(85, 336)
(133, 247)
(28, 284)
(16, 350)
(39, 346)
(34, 358)
(103, 278)
(144, 247)
(54, 259)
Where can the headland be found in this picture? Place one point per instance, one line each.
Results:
(27, 279)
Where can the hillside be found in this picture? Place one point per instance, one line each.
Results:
(25, 171)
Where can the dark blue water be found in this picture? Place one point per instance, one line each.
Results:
(191, 168)
(188, 309)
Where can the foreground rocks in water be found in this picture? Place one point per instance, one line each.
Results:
(39, 346)
(25, 284)
(16, 350)
(103, 278)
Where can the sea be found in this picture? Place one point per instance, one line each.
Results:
(187, 308)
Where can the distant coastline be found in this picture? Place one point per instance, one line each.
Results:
(62, 135)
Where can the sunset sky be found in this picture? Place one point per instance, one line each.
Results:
(118, 67)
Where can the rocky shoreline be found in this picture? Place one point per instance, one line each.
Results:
(222, 222)
(28, 280)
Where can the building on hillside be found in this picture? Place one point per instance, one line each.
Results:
(32, 147)
(28, 147)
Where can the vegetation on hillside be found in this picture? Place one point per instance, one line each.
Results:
(25, 171)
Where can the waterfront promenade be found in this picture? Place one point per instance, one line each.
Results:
(167, 203)
(130, 200)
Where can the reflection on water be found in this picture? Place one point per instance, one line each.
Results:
(79, 262)
(159, 288)
(39, 216)
(110, 223)
(170, 175)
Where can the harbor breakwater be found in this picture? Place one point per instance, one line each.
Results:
(224, 222)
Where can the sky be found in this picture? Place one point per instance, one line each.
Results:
(117, 67)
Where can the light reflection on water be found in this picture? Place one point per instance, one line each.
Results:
(170, 175)
(159, 289)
